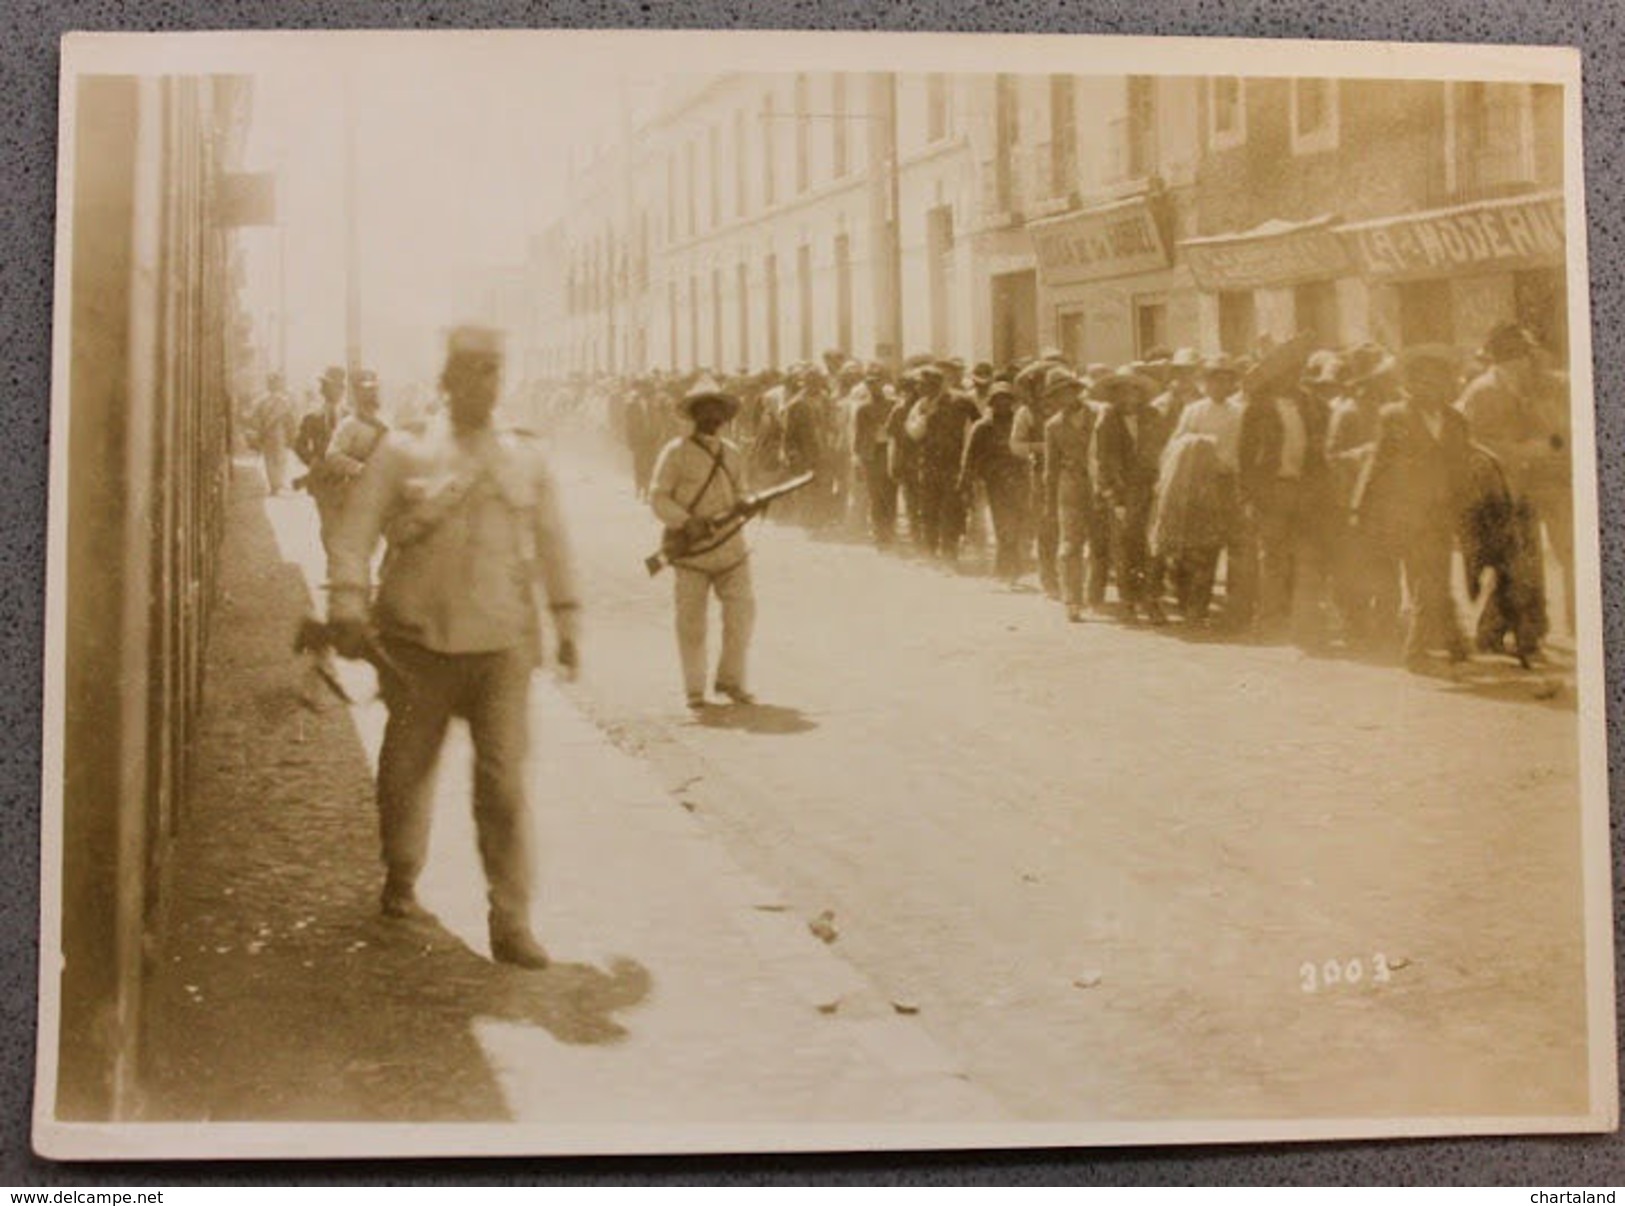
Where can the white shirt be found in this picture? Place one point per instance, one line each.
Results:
(1294, 439)
(1222, 421)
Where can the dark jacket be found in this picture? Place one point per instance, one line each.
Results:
(1263, 437)
(1127, 457)
(1414, 485)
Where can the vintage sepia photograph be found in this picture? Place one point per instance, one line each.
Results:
(675, 592)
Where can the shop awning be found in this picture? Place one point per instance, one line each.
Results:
(1092, 244)
(1278, 253)
(1488, 236)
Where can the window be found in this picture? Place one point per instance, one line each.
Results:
(936, 107)
(671, 197)
(804, 291)
(837, 104)
(1006, 132)
(1226, 111)
(1489, 139)
(843, 293)
(741, 179)
(770, 274)
(1150, 325)
(939, 245)
(742, 289)
(671, 319)
(1238, 323)
(691, 182)
(1425, 312)
(1140, 133)
(716, 320)
(713, 163)
(1070, 332)
(803, 168)
(1063, 136)
(1314, 116)
(1315, 310)
(770, 195)
(693, 321)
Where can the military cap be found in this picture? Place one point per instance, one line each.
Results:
(707, 389)
(470, 340)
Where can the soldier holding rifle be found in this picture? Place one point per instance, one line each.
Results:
(699, 481)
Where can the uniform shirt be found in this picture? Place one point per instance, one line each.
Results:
(681, 492)
(1222, 421)
(471, 520)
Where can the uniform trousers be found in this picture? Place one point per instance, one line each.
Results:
(733, 589)
(491, 691)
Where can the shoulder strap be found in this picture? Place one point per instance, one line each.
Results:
(716, 467)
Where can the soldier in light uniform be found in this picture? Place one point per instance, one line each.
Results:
(472, 520)
(700, 478)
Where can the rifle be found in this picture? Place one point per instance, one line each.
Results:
(313, 641)
(677, 543)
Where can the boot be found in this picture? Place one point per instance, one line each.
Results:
(512, 942)
(399, 902)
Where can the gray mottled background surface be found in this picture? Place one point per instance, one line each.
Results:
(28, 67)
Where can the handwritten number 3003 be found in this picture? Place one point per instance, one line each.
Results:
(1335, 972)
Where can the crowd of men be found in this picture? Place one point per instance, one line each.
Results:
(1313, 495)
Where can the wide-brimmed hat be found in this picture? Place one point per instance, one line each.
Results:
(707, 390)
(982, 372)
(1366, 363)
(1280, 367)
(1507, 341)
(1325, 368)
(474, 340)
(1125, 382)
(1222, 362)
(333, 375)
(1001, 389)
(1060, 379)
(1185, 358)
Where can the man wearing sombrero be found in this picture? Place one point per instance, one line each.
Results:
(698, 479)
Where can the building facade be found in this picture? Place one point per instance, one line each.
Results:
(744, 221)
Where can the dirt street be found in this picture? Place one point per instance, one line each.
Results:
(1124, 874)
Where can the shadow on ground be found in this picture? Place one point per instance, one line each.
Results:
(768, 720)
(276, 992)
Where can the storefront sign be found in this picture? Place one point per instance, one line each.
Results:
(1116, 240)
(1275, 254)
(1498, 236)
